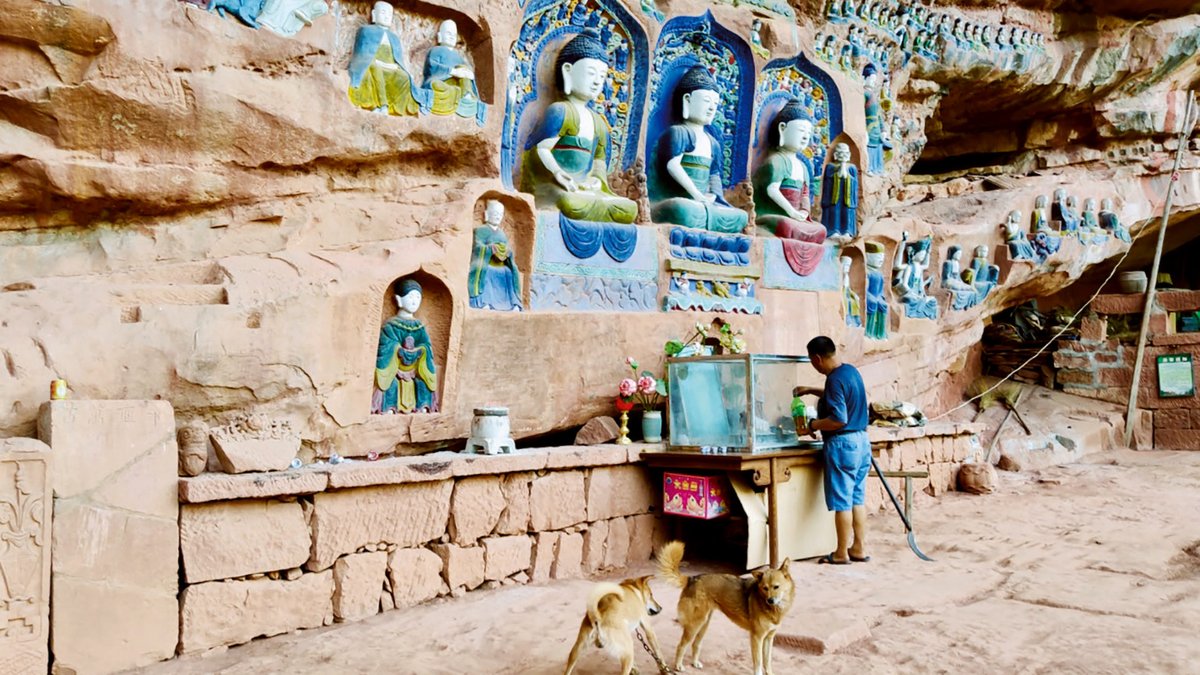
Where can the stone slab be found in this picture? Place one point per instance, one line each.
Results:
(597, 430)
(213, 487)
(568, 557)
(544, 551)
(392, 471)
(557, 500)
(515, 519)
(232, 539)
(521, 460)
(115, 558)
(572, 457)
(461, 567)
(505, 556)
(245, 455)
(618, 491)
(220, 613)
(357, 582)
(475, 508)
(404, 515)
(416, 576)
(25, 594)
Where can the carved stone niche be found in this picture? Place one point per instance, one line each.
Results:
(255, 443)
(25, 513)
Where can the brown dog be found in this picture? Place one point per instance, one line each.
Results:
(614, 612)
(756, 603)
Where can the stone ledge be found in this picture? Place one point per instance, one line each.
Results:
(435, 466)
(1175, 339)
(895, 434)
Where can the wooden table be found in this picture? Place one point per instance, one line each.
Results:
(768, 469)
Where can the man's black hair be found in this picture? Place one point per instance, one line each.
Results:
(821, 346)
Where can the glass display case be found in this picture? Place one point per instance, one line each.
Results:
(738, 402)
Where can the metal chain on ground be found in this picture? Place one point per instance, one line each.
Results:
(662, 667)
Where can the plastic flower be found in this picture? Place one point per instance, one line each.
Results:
(627, 387)
(632, 364)
(646, 384)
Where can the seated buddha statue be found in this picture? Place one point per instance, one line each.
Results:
(565, 164)
(688, 177)
(781, 191)
(378, 81)
(450, 77)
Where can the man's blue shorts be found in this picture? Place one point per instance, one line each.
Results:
(847, 463)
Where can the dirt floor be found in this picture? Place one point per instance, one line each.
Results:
(1087, 568)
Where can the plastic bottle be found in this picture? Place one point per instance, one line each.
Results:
(797, 407)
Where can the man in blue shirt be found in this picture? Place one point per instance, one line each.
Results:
(842, 418)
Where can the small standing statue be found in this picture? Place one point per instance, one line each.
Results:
(494, 282)
(565, 165)
(839, 196)
(450, 77)
(378, 81)
(962, 293)
(911, 284)
(1062, 211)
(756, 44)
(1109, 220)
(877, 306)
(853, 302)
(690, 162)
(781, 191)
(1018, 241)
(405, 374)
(984, 275)
(874, 113)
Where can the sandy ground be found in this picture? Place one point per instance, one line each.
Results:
(1087, 568)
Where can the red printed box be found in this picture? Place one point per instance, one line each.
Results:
(695, 496)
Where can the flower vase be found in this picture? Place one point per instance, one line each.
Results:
(623, 432)
(652, 426)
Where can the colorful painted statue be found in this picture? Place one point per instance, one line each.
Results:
(689, 189)
(450, 77)
(781, 191)
(756, 44)
(839, 196)
(877, 306)
(962, 293)
(874, 113)
(287, 17)
(405, 374)
(846, 59)
(1109, 220)
(984, 275)
(1018, 241)
(494, 281)
(378, 81)
(829, 53)
(1089, 224)
(910, 283)
(565, 165)
(1039, 219)
(853, 302)
(1062, 211)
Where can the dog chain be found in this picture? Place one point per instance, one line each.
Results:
(662, 667)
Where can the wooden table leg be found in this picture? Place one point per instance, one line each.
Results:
(772, 512)
(908, 498)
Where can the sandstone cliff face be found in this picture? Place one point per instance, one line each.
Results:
(191, 210)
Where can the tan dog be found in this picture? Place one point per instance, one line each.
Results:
(756, 603)
(614, 612)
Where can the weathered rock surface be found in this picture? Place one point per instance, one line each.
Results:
(358, 580)
(462, 567)
(619, 491)
(597, 430)
(232, 612)
(231, 539)
(25, 468)
(475, 508)
(557, 500)
(506, 556)
(416, 576)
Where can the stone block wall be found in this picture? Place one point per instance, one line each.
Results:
(24, 555)
(1101, 368)
(938, 448)
(265, 554)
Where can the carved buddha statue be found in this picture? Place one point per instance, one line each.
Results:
(565, 165)
(450, 77)
(378, 80)
(689, 190)
(494, 281)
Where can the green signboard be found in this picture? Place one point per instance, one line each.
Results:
(1175, 377)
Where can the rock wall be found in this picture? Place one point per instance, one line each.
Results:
(192, 210)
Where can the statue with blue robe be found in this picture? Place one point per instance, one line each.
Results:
(877, 305)
(1019, 247)
(984, 275)
(565, 163)
(781, 191)
(405, 373)
(686, 184)
(494, 281)
(839, 196)
(450, 77)
(1111, 222)
(852, 302)
(911, 284)
(874, 115)
(1062, 210)
(378, 81)
(954, 281)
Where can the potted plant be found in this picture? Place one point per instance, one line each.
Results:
(647, 391)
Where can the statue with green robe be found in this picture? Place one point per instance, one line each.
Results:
(565, 163)
(493, 282)
(405, 373)
(378, 80)
(450, 77)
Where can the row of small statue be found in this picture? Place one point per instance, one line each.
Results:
(1044, 240)
(911, 23)
(565, 166)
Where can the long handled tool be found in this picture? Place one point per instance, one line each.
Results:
(912, 539)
